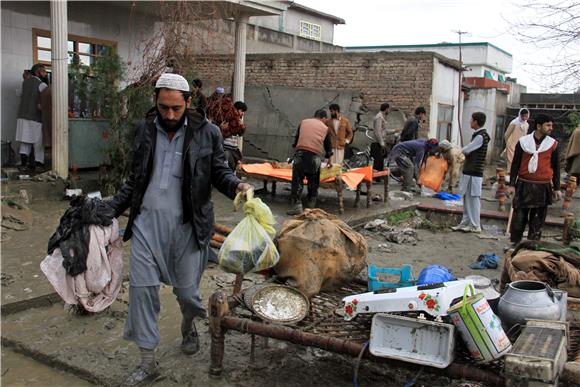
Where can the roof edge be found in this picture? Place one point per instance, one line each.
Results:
(334, 19)
(432, 45)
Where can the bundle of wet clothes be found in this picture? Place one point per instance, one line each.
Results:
(72, 235)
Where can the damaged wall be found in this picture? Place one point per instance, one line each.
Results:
(402, 79)
(405, 80)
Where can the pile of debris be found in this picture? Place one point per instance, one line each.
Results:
(398, 235)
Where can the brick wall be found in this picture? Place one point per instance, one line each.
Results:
(402, 79)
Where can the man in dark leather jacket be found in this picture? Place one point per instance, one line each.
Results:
(177, 157)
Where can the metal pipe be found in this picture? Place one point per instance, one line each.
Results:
(455, 370)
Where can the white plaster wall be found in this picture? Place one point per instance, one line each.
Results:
(445, 91)
(89, 19)
(292, 20)
(480, 100)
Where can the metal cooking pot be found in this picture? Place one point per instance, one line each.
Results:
(531, 300)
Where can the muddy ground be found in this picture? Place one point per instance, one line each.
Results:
(91, 350)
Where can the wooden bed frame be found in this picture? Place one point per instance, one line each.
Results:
(337, 185)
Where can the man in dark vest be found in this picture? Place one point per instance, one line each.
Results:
(535, 178)
(312, 138)
(472, 178)
(29, 118)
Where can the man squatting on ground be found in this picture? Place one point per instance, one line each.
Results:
(535, 177)
(380, 147)
(312, 138)
(409, 156)
(340, 133)
(472, 177)
(177, 158)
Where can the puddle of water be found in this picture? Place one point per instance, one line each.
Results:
(19, 370)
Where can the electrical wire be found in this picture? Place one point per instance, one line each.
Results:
(357, 364)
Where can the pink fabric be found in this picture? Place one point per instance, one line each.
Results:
(99, 285)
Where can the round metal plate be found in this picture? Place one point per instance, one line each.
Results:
(278, 303)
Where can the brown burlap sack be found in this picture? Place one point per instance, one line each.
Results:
(541, 266)
(318, 251)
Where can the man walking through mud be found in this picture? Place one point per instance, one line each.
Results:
(177, 158)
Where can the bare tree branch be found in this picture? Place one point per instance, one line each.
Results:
(552, 25)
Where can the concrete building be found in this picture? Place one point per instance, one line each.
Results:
(485, 84)
(124, 26)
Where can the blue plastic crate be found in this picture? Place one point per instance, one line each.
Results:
(405, 273)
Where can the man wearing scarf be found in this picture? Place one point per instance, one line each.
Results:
(516, 130)
(177, 157)
(535, 178)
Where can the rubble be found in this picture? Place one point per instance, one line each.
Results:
(405, 235)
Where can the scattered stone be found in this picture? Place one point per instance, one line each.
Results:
(17, 215)
(6, 279)
(400, 195)
(110, 325)
(406, 235)
(24, 196)
(385, 248)
(27, 290)
(374, 224)
(13, 225)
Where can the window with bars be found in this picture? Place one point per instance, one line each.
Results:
(310, 30)
(86, 49)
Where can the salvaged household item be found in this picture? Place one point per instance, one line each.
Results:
(98, 285)
(433, 173)
(483, 285)
(552, 263)
(479, 327)
(538, 355)
(435, 274)
(412, 340)
(353, 179)
(531, 300)
(249, 247)
(277, 303)
(433, 299)
(376, 277)
(318, 251)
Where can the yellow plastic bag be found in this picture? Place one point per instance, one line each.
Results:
(249, 247)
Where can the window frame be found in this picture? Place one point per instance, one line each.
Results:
(310, 35)
(36, 32)
(449, 124)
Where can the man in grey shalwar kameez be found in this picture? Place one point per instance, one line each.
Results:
(177, 157)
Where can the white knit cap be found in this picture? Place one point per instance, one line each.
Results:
(172, 81)
(445, 145)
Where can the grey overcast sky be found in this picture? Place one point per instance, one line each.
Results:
(399, 22)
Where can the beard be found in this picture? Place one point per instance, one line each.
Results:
(334, 116)
(170, 125)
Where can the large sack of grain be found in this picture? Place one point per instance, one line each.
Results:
(318, 252)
